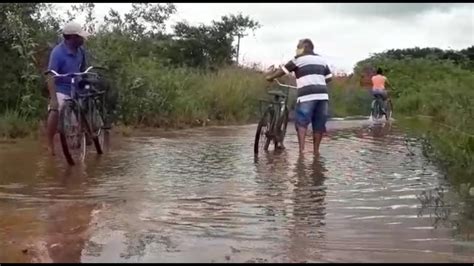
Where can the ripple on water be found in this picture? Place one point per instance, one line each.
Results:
(193, 194)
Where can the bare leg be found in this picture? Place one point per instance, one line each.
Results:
(52, 125)
(317, 137)
(301, 136)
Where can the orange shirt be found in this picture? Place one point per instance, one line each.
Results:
(378, 82)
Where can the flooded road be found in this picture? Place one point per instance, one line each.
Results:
(200, 195)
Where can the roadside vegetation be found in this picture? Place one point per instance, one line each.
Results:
(433, 96)
(185, 78)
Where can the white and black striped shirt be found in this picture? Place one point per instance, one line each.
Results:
(311, 72)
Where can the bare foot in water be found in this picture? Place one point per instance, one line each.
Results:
(51, 151)
(280, 147)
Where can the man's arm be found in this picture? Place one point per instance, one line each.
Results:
(389, 86)
(84, 61)
(286, 69)
(327, 74)
(54, 62)
(276, 74)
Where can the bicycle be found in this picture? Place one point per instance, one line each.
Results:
(81, 117)
(379, 109)
(272, 126)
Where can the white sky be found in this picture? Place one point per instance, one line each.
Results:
(344, 33)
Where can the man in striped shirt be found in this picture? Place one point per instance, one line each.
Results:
(312, 75)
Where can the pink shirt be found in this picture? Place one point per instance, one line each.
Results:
(378, 82)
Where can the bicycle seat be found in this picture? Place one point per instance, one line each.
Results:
(277, 93)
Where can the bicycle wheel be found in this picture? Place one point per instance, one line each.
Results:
(281, 128)
(373, 108)
(376, 109)
(97, 128)
(73, 138)
(263, 134)
(388, 110)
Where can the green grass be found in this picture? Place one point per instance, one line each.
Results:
(432, 87)
(151, 95)
(346, 100)
(230, 95)
(13, 125)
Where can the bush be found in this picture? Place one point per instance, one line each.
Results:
(156, 79)
(346, 99)
(14, 125)
(153, 95)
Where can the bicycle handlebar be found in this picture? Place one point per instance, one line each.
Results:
(72, 74)
(285, 85)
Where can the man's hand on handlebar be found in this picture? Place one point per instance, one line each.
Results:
(275, 74)
(269, 78)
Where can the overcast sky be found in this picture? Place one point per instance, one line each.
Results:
(342, 32)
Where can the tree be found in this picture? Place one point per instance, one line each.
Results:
(236, 26)
(144, 20)
(210, 45)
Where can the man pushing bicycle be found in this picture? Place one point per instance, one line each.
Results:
(312, 75)
(67, 57)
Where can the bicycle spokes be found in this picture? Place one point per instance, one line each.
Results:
(72, 131)
(264, 135)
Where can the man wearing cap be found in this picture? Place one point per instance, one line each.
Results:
(312, 75)
(67, 57)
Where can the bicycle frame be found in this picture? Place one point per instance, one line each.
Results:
(278, 104)
(277, 110)
(276, 101)
(76, 98)
(379, 106)
(287, 93)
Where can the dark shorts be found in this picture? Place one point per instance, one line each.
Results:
(314, 112)
(380, 93)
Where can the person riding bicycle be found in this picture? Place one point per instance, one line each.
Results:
(378, 86)
(66, 57)
(312, 75)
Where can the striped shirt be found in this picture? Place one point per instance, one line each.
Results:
(311, 72)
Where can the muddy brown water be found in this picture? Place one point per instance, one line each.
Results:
(200, 195)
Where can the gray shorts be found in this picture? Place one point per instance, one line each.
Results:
(61, 100)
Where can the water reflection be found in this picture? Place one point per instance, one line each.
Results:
(307, 234)
(57, 228)
(435, 204)
(432, 202)
(380, 130)
(68, 222)
(272, 176)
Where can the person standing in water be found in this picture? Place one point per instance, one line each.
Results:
(312, 76)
